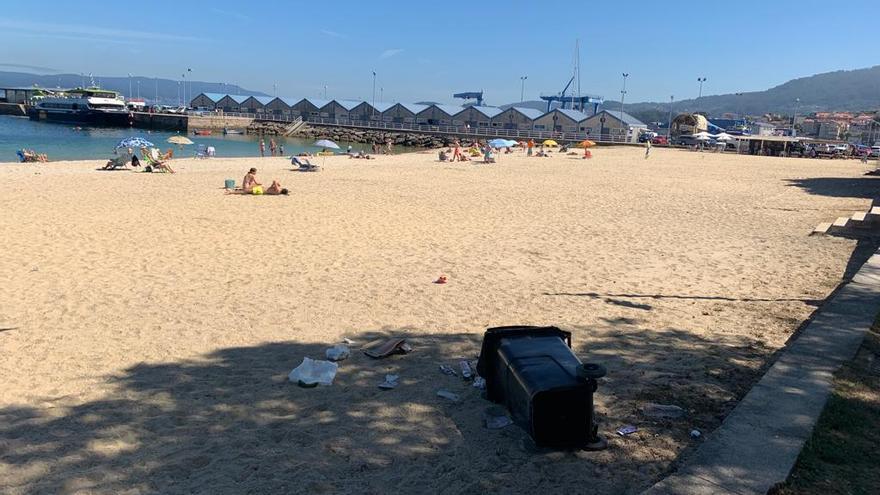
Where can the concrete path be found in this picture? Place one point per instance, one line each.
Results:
(759, 442)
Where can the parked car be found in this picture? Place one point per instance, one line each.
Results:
(686, 140)
(875, 151)
(660, 140)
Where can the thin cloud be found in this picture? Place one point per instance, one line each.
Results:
(237, 15)
(91, 32)
(390, 53)
(29, 67)
(332, 34)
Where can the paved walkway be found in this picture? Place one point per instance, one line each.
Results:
(759, 442)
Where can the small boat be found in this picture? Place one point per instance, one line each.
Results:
(232, 131)
(202, 132)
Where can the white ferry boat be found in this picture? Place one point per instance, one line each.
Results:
(93, 106)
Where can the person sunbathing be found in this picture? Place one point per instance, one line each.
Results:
(276, 189)
(250, 181)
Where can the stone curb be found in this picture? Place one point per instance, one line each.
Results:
(758, 443)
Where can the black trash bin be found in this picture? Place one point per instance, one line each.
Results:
(549, 392)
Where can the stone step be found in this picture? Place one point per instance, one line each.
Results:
(821, 229)
(839, 225)
(859, 216)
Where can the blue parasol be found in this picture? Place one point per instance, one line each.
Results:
(134, 142)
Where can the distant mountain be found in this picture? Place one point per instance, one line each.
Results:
(841, 90)
(167, 89)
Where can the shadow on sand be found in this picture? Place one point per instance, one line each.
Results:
(230, 422)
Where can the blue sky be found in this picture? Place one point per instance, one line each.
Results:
(429, 50)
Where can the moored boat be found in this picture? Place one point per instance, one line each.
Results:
(92, 106)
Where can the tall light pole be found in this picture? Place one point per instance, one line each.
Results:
(325, 91)
(156, 102)
(274, 89)
(623, 94)
(178, 93)
(381, 92)
(739, 104)
(701, 80)
(797, 103)
(522, 87)
(669, 125)
(185, 101)
(139, 89)
(373, 104)
(129, 85)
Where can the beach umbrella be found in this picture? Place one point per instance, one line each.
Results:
(181, 140)
(703, 134)
(134, 142)
(723, 136)
(550, 142)
(326, 143)
(501, 143)
(586, 143)
(702, 138)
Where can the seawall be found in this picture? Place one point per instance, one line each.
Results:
(12, 109)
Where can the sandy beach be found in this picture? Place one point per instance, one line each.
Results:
(148, 321)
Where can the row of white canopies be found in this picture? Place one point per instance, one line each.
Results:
(706, 136)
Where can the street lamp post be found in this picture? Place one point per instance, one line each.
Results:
(623, 94)
(178, 93)
(129, 85)
(669, 125)
(522, 87)
(381, 92)
(373, 104)
(185, 101)
(139, 89)
(797, 104)
(701, 80)
(182, 102)
(325, 91)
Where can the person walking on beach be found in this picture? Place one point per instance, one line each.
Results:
(280, 149)
(647, 149)
(272, 147)
(262, 148)
(530, 146)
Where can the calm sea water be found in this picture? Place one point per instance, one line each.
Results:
(65, 142)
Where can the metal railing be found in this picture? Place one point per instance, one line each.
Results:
(483, 132)
(458, 130)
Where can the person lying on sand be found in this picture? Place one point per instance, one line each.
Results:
(443, 156)
(250, 181)
(274, 190)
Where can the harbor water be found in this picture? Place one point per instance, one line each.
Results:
(69, 142)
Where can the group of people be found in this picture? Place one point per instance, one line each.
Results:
(250, 185)
(29, 155)
(156, 162)
(275, 149)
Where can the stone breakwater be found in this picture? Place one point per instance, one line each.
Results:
(354, 135)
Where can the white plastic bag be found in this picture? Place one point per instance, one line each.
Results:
(338, 352)
(312, 372)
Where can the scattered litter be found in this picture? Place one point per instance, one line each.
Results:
(480, 383)
(447, 395)
(627, 430)
(441, 280)
(383, 348)
(662, 411)
(391, 381)
(347, 341)
(695, 433)
(466, 371)
(338, 352)
(495, 418)
(312, 372)
(447, 370)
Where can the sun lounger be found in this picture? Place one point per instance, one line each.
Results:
(304, 165)
(154, 164)
(202, 151)
(116, 163)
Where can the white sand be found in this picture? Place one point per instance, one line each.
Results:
(154, 318)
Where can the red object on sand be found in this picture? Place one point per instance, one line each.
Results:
(441, 280)
(587, 154)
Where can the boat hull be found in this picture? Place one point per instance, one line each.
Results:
(90, 118)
